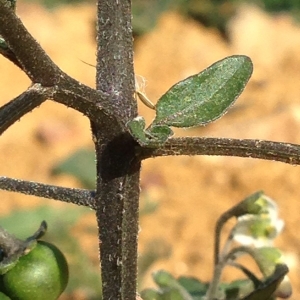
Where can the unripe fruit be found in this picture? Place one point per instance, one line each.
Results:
(42, 274)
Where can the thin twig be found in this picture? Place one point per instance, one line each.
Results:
(247, 272)
(70, 93)
(76, 196)
(24, 103)
(268, 150)
(41, 69)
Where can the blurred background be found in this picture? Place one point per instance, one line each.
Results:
(182, 197)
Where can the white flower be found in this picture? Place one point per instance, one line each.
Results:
(259, 230)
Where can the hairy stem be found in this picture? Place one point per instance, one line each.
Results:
(69, 195)
(284, 152)
(21, 105)
(115, 74)
(118, 170)
(34, 61)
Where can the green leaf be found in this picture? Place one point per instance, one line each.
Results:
(159, 133)
(149, 294)
(152, 137)
(168, 294)
(169, 284)
(193, 286)
(146, 13)
(164, 279)
(204, 97)
(81, 165)
(137, 130)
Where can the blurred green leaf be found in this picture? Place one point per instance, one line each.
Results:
(21, 223)
(164, 279)
(167, 294)
(196, 288)
(150, 294)
(170, 286)
(235, 289)
(81, 165)
(204, 97)
(232, 293)
(146, 13)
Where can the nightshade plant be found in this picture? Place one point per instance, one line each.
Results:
(120, 136)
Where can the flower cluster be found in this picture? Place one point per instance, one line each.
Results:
(258, 224)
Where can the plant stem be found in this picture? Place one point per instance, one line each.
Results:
(115, 75)
(213, 287)
(118, 170)
(29, 54)
(18, 107)
(117, 199)
(69, 195)
(284, 152)
(219, 262)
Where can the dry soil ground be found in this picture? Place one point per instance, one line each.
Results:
(192, 191)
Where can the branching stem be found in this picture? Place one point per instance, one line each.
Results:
(34, 61)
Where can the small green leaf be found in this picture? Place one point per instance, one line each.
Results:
(149, 294)
(204, 97)
(164, 279)
(168, 283)
(137, 129)
(146, 13)
(159, 133)
(193, 286)
(152, 137)
(173, 294)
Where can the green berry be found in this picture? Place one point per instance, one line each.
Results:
(42, 274)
